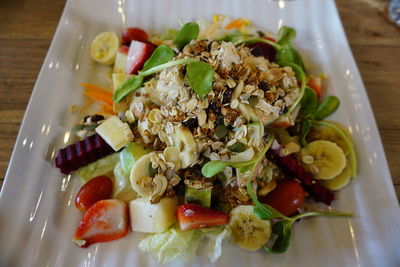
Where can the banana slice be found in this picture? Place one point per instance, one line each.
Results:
(327, 133)
(248, 231)
(104, 48)
(339, 181)
(328, 158)
(184, 141)
(140, 180)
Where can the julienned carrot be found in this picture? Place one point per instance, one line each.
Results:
(107, 99)
(85, 105)
(92, 87)
(237, 24)
(108, 109)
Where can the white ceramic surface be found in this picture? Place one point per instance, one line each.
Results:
(37, 213)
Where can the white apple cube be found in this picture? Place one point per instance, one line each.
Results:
(120, 59)
(152, 218)
(118, 80)
(116, 133)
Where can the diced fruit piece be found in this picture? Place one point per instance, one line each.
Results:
(138, 53)
(131, 154)
(287, 197)
(193, 216)
(118, 80)
(104, 47)
(260, 49)
(82, 153)
(132, 34)
(198, 196)
(184, 141)
(115, 132)
(120, 59)
(106, 220)
(152, 218)
(96, 189)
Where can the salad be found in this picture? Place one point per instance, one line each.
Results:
(209, 132)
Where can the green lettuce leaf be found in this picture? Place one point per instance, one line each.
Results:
(215, 237)
(122, 185)
(169, 245)
(104, 166)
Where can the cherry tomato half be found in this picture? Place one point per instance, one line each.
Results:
(135, 33)
(287, 197)
(96, 189)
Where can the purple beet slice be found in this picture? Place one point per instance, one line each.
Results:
(82, 153)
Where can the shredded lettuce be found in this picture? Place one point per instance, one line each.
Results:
(104, 166)
(122, 185)
(168, 245)
(174, 243)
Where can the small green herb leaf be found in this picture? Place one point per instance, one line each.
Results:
(162, 54)
(188, 32)
(305, 128)
(237, 147)
(309, 102)
(131, 85)
(199, 76)
(283, 231)
(286, 35)
(326, 108)
(289, 54)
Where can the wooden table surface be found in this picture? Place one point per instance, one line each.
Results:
(27, 28)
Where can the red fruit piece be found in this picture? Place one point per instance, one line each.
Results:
(260, 49)
(138, 53)
(134, 34)
(123, 49)
(287, 197)
(105, 221)
(193, 216)
(96, 189)
(316, 84)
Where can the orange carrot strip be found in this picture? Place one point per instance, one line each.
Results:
(95, 88)
(99, 97)
(85, 105)
(108, 109)
(235, 24)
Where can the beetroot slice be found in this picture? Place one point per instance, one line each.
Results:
(82, 153)
(292, 169)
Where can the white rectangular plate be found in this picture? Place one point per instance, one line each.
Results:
(37, 213)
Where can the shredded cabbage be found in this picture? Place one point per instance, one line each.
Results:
(174, 243)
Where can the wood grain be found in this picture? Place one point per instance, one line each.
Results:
(27, 28)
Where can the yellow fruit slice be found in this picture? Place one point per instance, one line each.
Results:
(104, 47)
(328, 157)
(339, 181)
(248, 231)
(327, 133)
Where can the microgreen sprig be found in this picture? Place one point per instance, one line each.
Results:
(282, 229)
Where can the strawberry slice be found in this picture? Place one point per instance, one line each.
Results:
(138, 53)
(193, 216)
(316, 84)
(106, 220)
(124, 49)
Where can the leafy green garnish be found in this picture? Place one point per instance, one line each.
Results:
(199, 76)
(162, 54)
(213, 167)
(283, 228)
(309, 102)
(304, 130)
(326, 108)
(286, 35)
(188, 32)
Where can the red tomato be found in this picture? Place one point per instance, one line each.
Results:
(287, 197)
(134, 33)
(96, 189)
